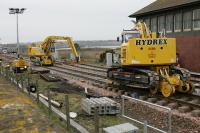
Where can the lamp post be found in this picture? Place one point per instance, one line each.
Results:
(17, 11)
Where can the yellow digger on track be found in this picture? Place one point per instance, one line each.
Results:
(19, 65)
(41, 53)
(148, 61)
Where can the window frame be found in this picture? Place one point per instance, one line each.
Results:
(193, 20)
(180, 22)
(190, 20)
(155, 25)
(149, 22)
(164, 23)
(172, 23)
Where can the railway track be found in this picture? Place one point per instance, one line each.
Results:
(192, 100)
(85, 66)
(78, 74)
(195, 78)
(85, 70)
(181, 102)
(184, 103)
(101, 72)
(95, 66)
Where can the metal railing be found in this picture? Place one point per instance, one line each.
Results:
(145, 123)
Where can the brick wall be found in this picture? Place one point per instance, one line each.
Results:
(189, 49)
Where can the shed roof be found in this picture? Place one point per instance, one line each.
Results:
(160, 5)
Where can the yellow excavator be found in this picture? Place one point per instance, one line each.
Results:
(148, 61)
(19, 65)
(41, 53)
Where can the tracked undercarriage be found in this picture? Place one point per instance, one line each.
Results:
(164, 79)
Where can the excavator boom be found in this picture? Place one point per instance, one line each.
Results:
(43, 49)
(46, 44)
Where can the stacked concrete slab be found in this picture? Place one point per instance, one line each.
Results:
(122, 128)
(103, 105)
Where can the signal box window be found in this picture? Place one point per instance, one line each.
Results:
(154, 24)
(161, 23)
(187, 19)
(147, 21)
(169, 23)
(196, 19)
(177, 22)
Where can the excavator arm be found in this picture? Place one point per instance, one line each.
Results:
(41, 53)
(74, 50)
(144, 31)
(46, 45)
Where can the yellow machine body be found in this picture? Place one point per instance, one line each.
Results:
(35, 51)
(42, 54)
(46, 60)
(148, 61)
(158, 51)
(19, 65)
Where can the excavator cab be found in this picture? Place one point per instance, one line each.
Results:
(128, 34)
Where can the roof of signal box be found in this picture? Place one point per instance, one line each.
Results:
(163, 5)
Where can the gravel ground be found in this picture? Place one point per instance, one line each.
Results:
(181, 123)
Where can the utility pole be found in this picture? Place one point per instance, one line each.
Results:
(17, 11)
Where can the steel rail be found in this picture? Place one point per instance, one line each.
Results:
(85, 71)
(77, 74)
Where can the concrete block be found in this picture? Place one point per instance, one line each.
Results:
(104, 105)
(122, 128)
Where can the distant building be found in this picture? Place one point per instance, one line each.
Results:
(180, 19)
(5, 49)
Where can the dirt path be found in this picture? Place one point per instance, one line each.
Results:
(19, 114)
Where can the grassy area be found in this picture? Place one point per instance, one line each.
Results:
(55, 119)
(75, 106)
(19, 113)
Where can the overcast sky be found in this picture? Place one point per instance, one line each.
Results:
(81, 19)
